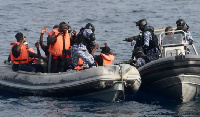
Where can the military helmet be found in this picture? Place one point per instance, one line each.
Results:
(180, 22)
(141, 23)
(90, 26)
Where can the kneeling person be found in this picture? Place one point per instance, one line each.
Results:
(139, 57)
(80, 57)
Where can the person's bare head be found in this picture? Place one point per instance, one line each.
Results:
(169, 28)
(19, 36)
(63, 27)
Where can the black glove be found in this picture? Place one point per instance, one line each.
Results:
(190, 42)
(128, 39)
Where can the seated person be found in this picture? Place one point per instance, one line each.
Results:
(33, 60)
(168, 39)
(106, 56)
(169, 28)
(172, 37)
(19, 56)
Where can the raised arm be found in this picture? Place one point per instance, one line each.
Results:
(20, 45)
(93, 50)
(41, 38)
(38, 49)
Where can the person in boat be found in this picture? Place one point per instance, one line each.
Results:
(19, 55)
(50, 33)
(106, 56)
(169, 39)
(73, 37)
(146, 40)
(168, 29)
(139, 58)
(182, 25)
(85, 36)
(33, 59)
(80, 56)
(59, 45)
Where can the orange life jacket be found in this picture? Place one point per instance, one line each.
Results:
(50, 33)
(107, 59)
(23, 57)
(32, 60)
(56, 49)
(31, 49)
(80, 64)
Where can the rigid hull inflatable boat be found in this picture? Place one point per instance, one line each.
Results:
(176, 74)
(99, 83)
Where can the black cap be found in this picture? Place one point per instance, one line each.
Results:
(19, 35)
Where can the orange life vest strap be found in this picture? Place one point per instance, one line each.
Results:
(21, 60)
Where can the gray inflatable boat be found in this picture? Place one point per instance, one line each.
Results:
(99, 83)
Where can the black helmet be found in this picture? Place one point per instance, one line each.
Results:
(141, 23)
(90, 26)
(180, 22)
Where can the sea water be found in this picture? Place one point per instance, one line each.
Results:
(114, 20)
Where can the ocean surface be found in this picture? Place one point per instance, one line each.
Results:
(114, 20)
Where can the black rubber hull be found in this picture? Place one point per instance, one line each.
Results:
(175, 77)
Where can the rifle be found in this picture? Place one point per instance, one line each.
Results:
(130, 39)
